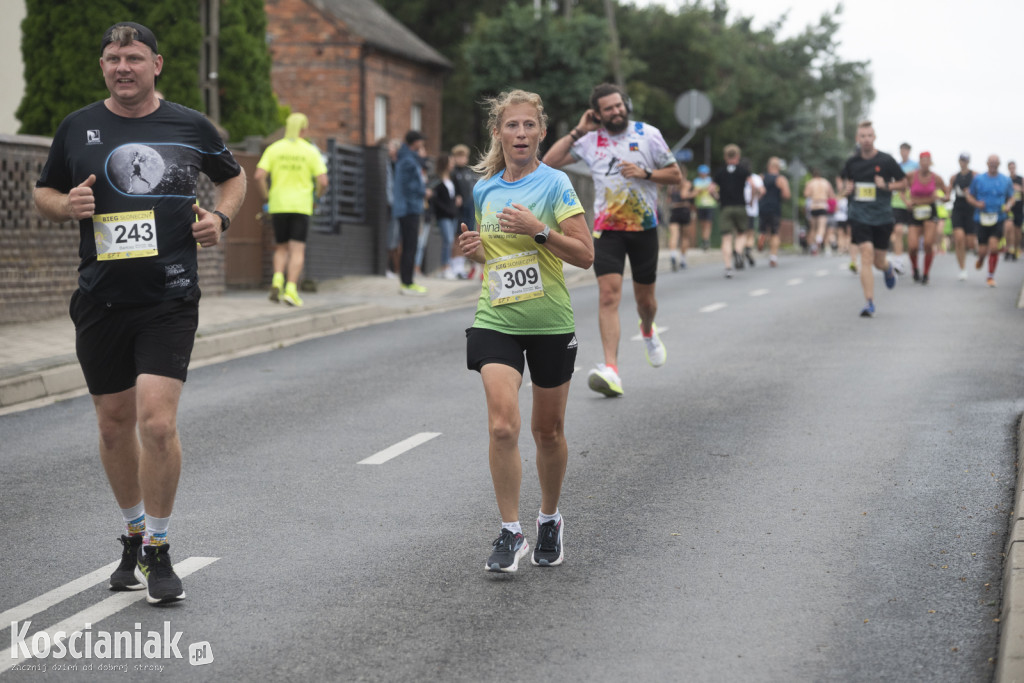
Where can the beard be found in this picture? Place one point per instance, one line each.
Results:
(616, 124)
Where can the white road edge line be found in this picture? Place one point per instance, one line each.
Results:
(105, 608)
(57, 595)
(759, 292)
(711, 308)
(383, 456)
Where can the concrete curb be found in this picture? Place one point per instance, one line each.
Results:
(1010, 660)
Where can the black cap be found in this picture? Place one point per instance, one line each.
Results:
(412, 136)
(142, 34)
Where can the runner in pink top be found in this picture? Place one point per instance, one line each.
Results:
(923, 217)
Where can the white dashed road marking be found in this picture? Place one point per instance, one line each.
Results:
(821, 273)
(759, 292)
(383, 456)
(713, 307)
(795, 281)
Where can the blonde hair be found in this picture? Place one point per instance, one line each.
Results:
(865, 124)
(493, 162)
(731, 150)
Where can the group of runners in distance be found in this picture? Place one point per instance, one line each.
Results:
(875, 204)
(136, 307)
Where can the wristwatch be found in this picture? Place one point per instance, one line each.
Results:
(225, 222)
(542, 236)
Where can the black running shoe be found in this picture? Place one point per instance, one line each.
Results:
(748, 253)
(548, 552)
(123, 578)
(508, 548)
(154, 570)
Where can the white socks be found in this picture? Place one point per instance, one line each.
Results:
(134, 519)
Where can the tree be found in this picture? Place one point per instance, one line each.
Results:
(557, 58)
(60, 39)
(248, 105)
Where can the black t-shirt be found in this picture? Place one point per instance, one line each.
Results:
(730, 181)
(146, 173)
(869, 204)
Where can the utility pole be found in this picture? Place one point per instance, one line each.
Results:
(209, 19)
(613, 37)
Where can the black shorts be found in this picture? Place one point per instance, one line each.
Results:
(769, 224)
(612, 247)
(986, 233)
(878, 235)
(901, 216)
(116, 345)
(705, 213)
(1018, 215)
(921, 221)
(290, 226)
(550, 356)
(963, 217)
(680, 215)
(819, 212)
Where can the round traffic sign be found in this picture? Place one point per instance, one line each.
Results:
(693, 109)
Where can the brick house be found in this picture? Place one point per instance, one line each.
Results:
(354, 70)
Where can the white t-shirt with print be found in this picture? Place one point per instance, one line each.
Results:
(622, 203)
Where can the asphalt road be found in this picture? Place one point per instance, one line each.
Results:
(798, 495)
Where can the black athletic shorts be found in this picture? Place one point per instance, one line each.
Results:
(1018, 214)
(986, 233)
(963, 217)
(878, 235)
(680, 215)
(117, 344)
(819, 212)
(769, 224)
(290, 226)
(901, 216)
(705, 213)
(921, 221)
(612, 247)
(550, 356)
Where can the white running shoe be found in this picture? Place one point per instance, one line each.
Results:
(655, 350)
(604, 380)
(963, 275)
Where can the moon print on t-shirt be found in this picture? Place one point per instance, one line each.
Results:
(138, 169)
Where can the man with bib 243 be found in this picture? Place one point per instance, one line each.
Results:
(126, 169)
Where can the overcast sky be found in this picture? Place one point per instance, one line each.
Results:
(948, 75)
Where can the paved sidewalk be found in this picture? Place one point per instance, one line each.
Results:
(37, 360)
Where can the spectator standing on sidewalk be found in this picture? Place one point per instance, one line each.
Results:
(136, 309)
(465, 178)
(297, 178)
(444, 205)
(410, 193)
